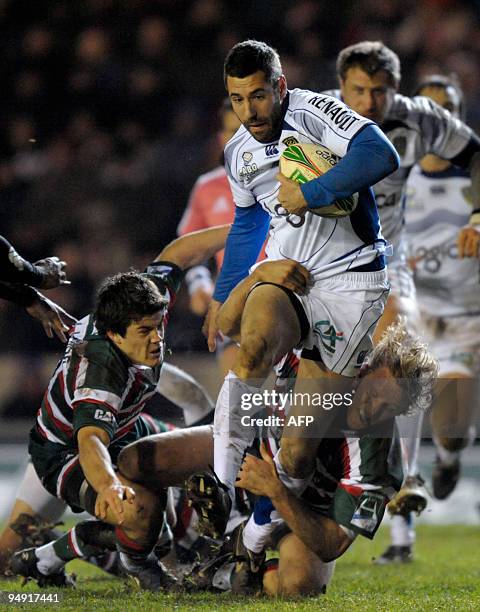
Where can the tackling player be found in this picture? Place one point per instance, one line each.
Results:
(344, 256)
(92, 407)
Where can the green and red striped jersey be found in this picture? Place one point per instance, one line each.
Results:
(95, 383)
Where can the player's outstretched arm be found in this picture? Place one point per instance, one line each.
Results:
(192, 249)
(97, 467)
(287, 273)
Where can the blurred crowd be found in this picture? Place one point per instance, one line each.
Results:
(109, 113)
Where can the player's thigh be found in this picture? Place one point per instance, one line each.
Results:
(307, 420)
(169, 457)
(270, 315)
(300, 571)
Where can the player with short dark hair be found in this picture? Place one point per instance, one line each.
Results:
(92, 409)
(344, 257)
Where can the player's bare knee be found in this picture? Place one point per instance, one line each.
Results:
(255, 356)
(298, 584)
(145, 507)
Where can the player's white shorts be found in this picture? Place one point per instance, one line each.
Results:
(455, 342)
(342, 312)
(401, 279)
(32, 492)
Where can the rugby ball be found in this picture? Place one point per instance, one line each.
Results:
(302, 162)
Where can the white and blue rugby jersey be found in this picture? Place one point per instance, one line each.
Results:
(438, 205)
(324, 246)
(415, 126)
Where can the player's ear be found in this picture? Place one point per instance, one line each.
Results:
(282, 86)
(114, 337)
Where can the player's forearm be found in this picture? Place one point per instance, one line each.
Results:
(230, 313)
(193, 249)
(322, 535)
(371, 158)
(17, 293)
(15, 269)
(96, 462)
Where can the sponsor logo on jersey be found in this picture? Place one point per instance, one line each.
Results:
(366, 514)
(329, 336)
(338, 113)
(271, 150)
(249, 170)
(290, 140)
(103, 415)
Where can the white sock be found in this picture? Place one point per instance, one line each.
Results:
(255, 536)
(410, 432)
(48, 562)
(296, 485)
(228, 447)
(402, 530)
(448, 457)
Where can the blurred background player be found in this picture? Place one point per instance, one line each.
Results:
(210, 204)
(19, 281)
(369, 76)
(439, 203)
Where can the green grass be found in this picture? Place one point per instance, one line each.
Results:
(444, 576)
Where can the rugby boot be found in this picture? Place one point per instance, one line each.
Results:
(151, 575)
(34, 531)
(395, 554)
(200, 578)
(211, 500)
(24, 563)
(444, 478)
(248, 572)
(412, 497)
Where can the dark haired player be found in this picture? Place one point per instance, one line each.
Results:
(91, 410)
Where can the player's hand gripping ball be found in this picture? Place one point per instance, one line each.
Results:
(303, 162)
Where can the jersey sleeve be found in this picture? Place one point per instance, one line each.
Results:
(193, 218)
(98, 390)
(442, 133)
(168, 278)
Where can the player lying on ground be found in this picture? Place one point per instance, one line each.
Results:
(92, 408)
(36, 511)
(345, 256)
(347, 495)
(18, 279)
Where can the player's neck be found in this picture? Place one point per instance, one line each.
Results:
(432, 163)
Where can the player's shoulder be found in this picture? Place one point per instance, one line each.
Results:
(238, 140)
(413, 108)
(307, 99)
